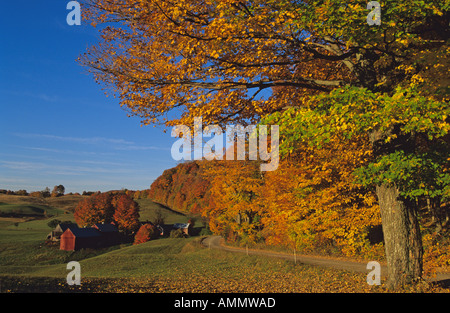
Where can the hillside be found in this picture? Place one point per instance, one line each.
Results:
(183, 188)
(22, 240)
(23, 208)
(163, 265)
(183, 265)
(316, 211)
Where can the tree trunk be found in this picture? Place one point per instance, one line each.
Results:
(402, 239)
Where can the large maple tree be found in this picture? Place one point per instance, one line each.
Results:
(170, 61)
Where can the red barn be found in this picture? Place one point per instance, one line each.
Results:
(79, 238)
(109, 232)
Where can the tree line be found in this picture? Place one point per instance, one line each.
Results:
(57, 191)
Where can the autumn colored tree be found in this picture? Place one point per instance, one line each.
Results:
(236, 213)
(36, 194)
(145, 233)
(408, 133)
(105, 208)
(215, 58)
(212, 58)
(126, 213)
(97, 208)
(181, 188)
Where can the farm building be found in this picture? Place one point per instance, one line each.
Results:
(78, 238)
(55, 234)
(109, 232)
(185, 227)
(101, 235)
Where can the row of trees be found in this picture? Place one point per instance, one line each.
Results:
(59, 191)
(108, 207)
(56, 192)
(21, 192)
(329, 74)
(183, 188)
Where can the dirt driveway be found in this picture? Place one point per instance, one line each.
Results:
(216, 242)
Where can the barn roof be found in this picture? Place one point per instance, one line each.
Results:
(63, 226)
(181, 225)
(85, 232)
(106, 228)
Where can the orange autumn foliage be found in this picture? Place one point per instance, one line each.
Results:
(105, 208)
(311, 202)
(145, 233)
(182, 188)
(126, 212)
(95, 209)
(320, 206)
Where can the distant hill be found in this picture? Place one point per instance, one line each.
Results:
(182, 188)
(28, 206)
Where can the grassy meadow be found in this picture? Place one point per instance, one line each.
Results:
(27, 264)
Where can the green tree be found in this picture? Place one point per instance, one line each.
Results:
(53, 223)
(58, 191)
(409, 136)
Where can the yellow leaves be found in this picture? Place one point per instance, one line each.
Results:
(176, 12)
(215, 54)
(435, 256)
(343, 126)
(391, 137)
(416, 79)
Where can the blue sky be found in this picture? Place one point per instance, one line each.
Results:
(56, 124)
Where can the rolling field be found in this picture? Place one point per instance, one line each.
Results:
(161, 265)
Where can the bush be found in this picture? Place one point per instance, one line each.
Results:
(53, 223)
(177, 233)
(205, 232)
(145, 233)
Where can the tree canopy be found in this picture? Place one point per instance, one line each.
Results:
(316, 68)
(214, 58)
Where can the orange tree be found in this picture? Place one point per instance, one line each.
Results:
(182, 188)
(234, 212)
(145, 233)
(105, 208)
(312, 202)
(126, 213)
(215, 58)
(95, 209)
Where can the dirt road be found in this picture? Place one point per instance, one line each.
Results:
(216, 242)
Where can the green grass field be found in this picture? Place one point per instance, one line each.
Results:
(22, 248)
(148, 210)
(23, 209)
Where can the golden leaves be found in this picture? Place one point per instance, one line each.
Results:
(190, 56)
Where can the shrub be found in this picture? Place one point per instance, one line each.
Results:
(145, 233)
(177, 233)
(53, 223)
(205, 232)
